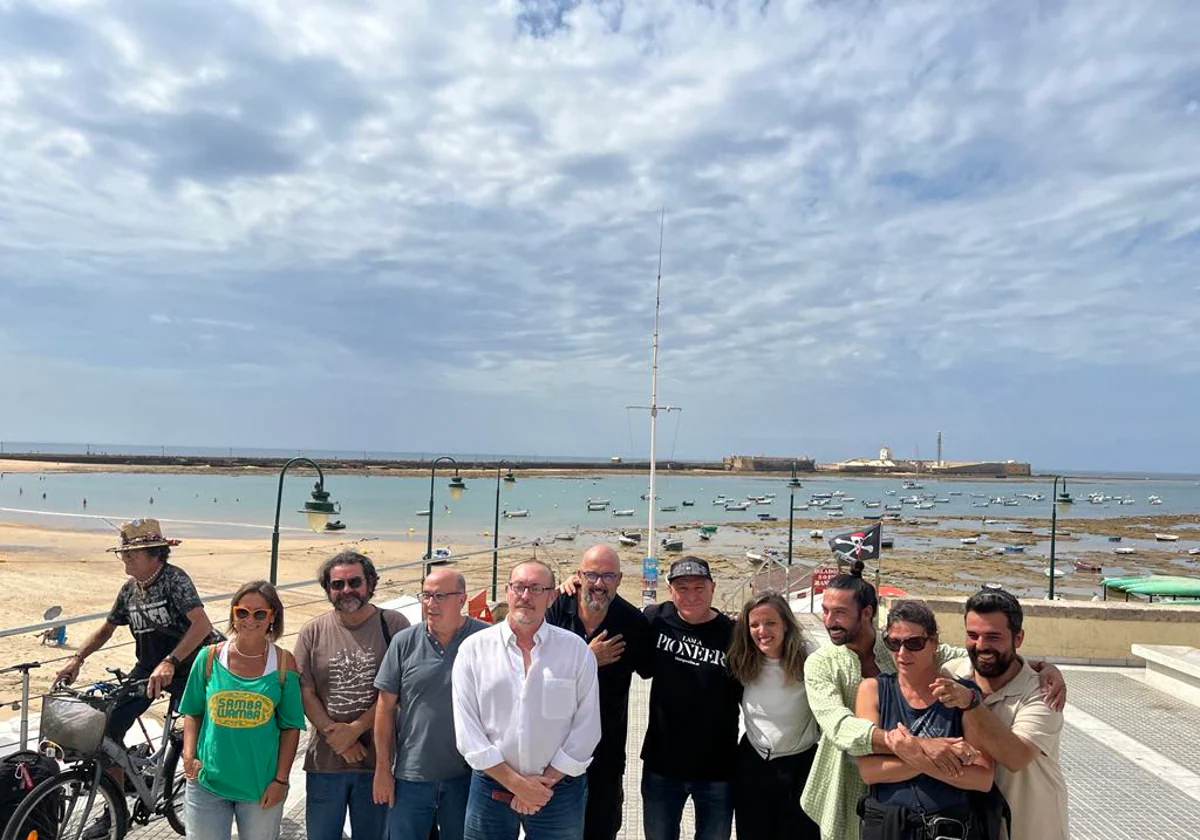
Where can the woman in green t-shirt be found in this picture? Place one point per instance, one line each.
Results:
(242, 720)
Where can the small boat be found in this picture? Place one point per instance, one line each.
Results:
(1114, 539)
(672, 544)
(766, 517)
(601, 502)
(668, 508)
(969, 540)
(422, 513)
(635, 536)
(442, 553)
(737, 506)
(870, 505)
(887, 542)
(848, 498)
(833, 507)
(1014, 549)
(835, 514)
(1124, 551)
(1194, 552)
(623, 512)
(595, 508)
(1166, 537)
(1020, 529)
(893, 507)
(708, 529)
(688, 503)
(1059, 571)
(720, 500)
(871, 517)
(516, 514)
(816, 533)
(800, 507)
(564, 537)
(755, 557)
(335, 525)
(704, 535)
(627, 540)
(1084, 566)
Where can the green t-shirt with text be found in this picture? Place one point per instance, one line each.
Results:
(239, 734)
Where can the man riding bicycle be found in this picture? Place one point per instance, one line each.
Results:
(160, 605)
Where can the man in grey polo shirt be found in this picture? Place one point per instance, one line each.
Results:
(429, 779)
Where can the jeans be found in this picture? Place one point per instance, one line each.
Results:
(492, 819)
(328, 795)
(210, 817)
(605, 802)
(419, 804)
(663, 800)
(766, 795)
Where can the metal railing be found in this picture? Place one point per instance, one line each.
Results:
(25, 701)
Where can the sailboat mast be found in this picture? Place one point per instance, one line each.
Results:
(652, 547)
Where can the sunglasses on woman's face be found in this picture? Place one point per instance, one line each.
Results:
(352, 583)
(913, 643)
(260, 614)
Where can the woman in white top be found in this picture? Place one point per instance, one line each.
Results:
(776, 753)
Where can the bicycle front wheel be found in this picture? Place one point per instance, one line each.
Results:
(59, 809)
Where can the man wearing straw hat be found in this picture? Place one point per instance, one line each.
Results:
(162, 609)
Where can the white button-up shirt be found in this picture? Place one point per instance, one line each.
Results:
(548, 717)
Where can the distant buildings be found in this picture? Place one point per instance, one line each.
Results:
(768, 463)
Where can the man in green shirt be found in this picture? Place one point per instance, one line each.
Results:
(831, 679)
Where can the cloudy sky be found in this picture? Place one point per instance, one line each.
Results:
(433, 226)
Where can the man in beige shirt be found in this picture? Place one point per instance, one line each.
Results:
(1016, 726)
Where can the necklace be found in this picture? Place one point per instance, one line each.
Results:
(238, 651)
(143, 585)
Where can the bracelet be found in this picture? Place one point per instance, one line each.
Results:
(283, 782)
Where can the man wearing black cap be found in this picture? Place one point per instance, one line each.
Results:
(691, 741)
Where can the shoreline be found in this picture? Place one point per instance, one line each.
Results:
(24, 463)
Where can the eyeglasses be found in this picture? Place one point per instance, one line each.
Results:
(913, 643)
(440, 597)
(607, 577)
(352, 583)
(535, 589)
(242, 613)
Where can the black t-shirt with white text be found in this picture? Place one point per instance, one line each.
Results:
(157, 615)
(694, 700)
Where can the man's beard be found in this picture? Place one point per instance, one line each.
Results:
(597, 601)
(851, 633)
(349, 603)
(994, 668)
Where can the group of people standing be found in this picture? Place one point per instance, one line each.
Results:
(478, 731)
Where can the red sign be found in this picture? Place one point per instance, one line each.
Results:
(821, 577)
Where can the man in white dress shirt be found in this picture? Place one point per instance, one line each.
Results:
(526, 718)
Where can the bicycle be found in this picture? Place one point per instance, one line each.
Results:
(73, 724)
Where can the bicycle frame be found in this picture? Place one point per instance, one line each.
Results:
(133, 766)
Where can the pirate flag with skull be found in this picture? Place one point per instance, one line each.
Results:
(859, 545)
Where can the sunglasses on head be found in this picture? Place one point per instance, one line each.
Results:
(352, 583)
(913, 643)
(259, 614)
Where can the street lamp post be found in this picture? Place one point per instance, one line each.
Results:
(456, 489)
(792, 485)
(1054, 528)
(510, 479)
(317, 509)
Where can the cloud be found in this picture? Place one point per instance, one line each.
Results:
(939, 202)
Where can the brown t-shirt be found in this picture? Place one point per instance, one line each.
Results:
(339, 663)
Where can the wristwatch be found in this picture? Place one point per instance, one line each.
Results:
(173, 659)
(976, 699)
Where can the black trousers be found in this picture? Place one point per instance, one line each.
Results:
(766, 795)
(605, 802)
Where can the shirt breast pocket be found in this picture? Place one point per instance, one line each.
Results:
(558, 698)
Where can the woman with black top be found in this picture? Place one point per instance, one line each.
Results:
(907, 802)
(776, 753)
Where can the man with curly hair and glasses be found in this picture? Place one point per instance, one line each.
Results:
(338, 655)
